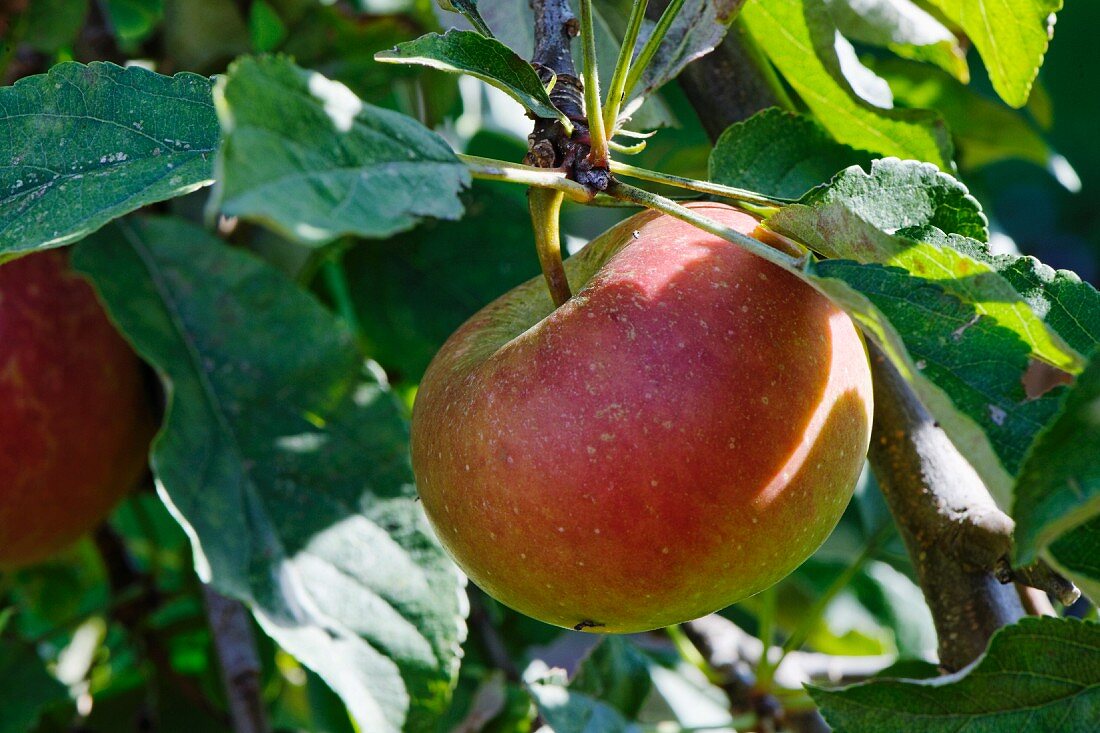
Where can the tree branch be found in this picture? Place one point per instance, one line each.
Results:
(236, 646)
(952, 529)
(734, 655)
(550, 145)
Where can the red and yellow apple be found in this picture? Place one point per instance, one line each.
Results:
(75, 418)
(681, 434)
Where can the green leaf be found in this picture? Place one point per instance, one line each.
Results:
(607, 692)
(1077, 555)
(617, 673)
(799, 36)
(780, 154)
(966, 368)
(568, 711)
(205, 35)
(455, 268)
(878, 217)
(1038, 675)
(984, 130)
(266, 27)
(468, 9)
(54, 24)
(285, 459)
(696, 31)
(304, 155)
(85, 144)
(1012, 37)
(133, 20)
(1059, 484)
(467, 52)
(904, 28)
(1069, 305)
(26, 688)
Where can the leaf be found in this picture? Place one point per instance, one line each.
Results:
(607, 692)
(304, 155)
(85, 144)
(780, 154)
(799, 36)
(26, 688)
(1068, 305)
(286, 462)
(617, 673)
(54, 24)
(1039, 674)
(904, 28)
(265, 26)
(1077, 554)
(468, 9)
(133, 20)
(455, 269)
(964, 366)
(878, 217)
(205, 35)
(697, 29)
(1059, 484)
(567, 711)
(985, 131)
(467, 52)
(1011, 36)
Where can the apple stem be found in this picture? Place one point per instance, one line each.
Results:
(652, 44)
(616, 93)
(545, 206)
(765, 205)
(598, 155)
(491, 169)
(626, 192)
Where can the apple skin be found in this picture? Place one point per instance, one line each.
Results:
(74, 413)
(681, 434)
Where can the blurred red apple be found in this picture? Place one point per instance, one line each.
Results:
(681, 434)
(75, 419)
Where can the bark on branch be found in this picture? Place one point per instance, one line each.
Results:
(236, 647)
(953, 531)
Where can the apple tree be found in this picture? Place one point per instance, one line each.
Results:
(563, 365)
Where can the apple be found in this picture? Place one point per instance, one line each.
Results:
(74, 413)
(681, 434)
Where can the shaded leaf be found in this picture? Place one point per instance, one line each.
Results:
(698, 28)
(286, 462)
(1059, 484)
(1012, 37)
(1039, 674)
(26, 689)
(133, 20)
(965, 367)
(799, 36)
(467, 52)
(617, 673)
(780, 154)
(85, 144)
(455, 268)
(1077, 554)
(304, 155)
(567, 711)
